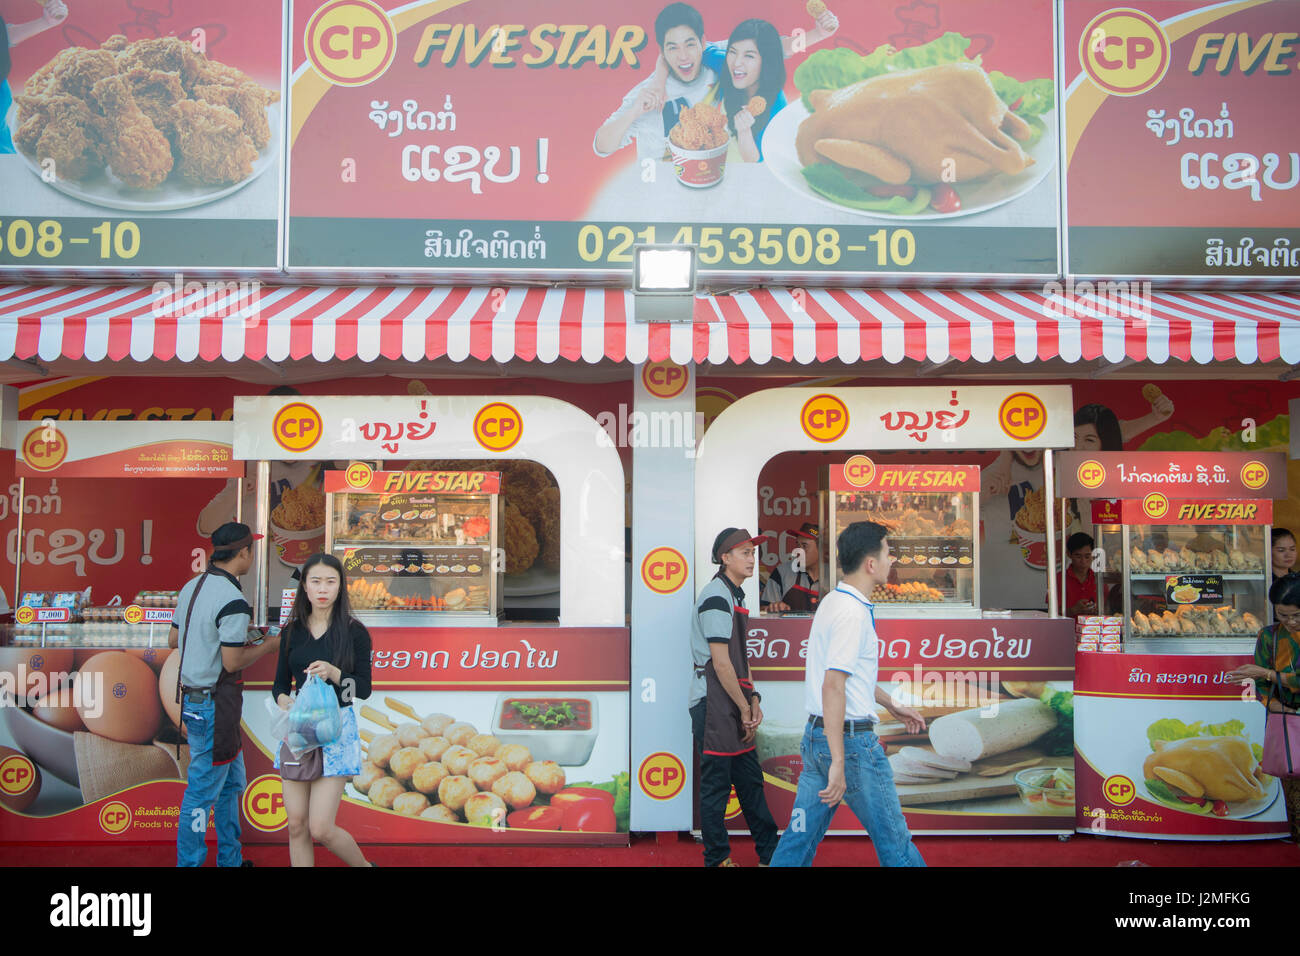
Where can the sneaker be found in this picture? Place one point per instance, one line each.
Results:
(248, 863)
(728, 862)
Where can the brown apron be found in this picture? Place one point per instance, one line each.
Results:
(724, 734)
(227, 697)
(800, 598)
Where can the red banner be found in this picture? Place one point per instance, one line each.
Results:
(359, 477)
(165, 459)
(1169, 747)
(1135, 474)
(1209, 512)
(860, 473)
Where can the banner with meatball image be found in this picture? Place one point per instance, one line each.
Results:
(1169, 747)
(141, 134)
(783, 138)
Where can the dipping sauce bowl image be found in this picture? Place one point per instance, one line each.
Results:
(561, 728)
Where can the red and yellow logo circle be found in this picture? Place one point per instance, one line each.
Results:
(1155, 505)
(297, 427)
(17, 775)
(264, 804)
(712, 402)
(664, 379)
(1124, 51)
(1118, 790)
(115, 817)
(133, 614)
(45, 448)
(662, 776)
(824, 418)
(1091, 473)
(733, 806)
(859, 471)
(664, 570)
(350, 42)
(358, 474)
(1254, 475)
(498, 426)
(1022, 416)
(25, 615)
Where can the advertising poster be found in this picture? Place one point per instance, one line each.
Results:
(532, 733)
(783, 139)
(1179, 159)
(1011, 680)
(141, 134)
(1169, 747)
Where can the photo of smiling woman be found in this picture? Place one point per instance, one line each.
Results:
(323, 639)
(753, 66)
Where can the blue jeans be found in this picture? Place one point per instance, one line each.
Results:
(208, 786)
(869, 792)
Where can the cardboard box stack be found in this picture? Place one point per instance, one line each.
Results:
(1100, 633)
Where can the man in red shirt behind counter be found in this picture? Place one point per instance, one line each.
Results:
(1080, 582)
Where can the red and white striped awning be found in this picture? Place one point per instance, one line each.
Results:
(46, 323)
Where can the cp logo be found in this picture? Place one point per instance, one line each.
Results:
(1155, 505)
(115, 817)
(498, 426)
(297, 427)
(1124, 51)
(17, 775)
(358, 475)
(45, 448)
(264, 804)
(1091, 474)
(662, 776)
(25, 615)
(824, 418)
(664, 379)
(859, 471)
(1254, 475)
(664, 570)
(1119, 790)
(350, 42)
(133, 614)
(1022, 416)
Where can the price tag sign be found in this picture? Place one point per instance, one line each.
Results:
(1193, 589)
(42, 615)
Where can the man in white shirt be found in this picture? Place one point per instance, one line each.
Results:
(644, 116)
(842, 757)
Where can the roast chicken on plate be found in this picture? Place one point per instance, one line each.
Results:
(937, 124)
(1217, 768)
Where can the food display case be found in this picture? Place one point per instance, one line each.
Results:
(419, 547)
(68, 619)
(932, 513)
(1194, 586)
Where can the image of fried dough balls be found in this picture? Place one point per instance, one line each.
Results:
(382, 749)
(454, 792)
(457, 759)
(434, 747)
(546, 775)
(485, 745)
(411, 804)
(428, 776)
(405, 762)
(384, 791)
(368, 775)
(410, 735)
(521, 541)
(440, 814)
(486, 771)
(435, 724)
(515, 789)
(485, 809)
(515, 756)
(460, 733)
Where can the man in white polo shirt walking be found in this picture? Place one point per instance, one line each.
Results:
(842, 757)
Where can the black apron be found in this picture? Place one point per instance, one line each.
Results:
(227, 697)
(800, 598)
(724, 734)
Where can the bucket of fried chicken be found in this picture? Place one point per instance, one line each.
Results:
(298, 524)
(698, 144)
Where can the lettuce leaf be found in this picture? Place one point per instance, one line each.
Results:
(1230, 728)
(1162, 792)
(1027, 99)
(1273, 435)
(831, 182)
(1171, 729)
(1059, 741)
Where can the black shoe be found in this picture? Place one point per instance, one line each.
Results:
(248, 863)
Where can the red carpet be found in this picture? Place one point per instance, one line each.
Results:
(675, 850)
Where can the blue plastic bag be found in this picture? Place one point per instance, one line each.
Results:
(314, 718)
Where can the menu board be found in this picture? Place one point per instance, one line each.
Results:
(143, 135)
(1182, 157)
(486, 137)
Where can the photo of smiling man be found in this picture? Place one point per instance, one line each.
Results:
(647, 114)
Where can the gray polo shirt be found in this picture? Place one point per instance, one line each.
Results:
(711, 624)
(220, 619)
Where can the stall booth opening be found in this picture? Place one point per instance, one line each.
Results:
(910, 458)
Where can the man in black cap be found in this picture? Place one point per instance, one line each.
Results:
(793, 584)
(725, 711)
(211, 627)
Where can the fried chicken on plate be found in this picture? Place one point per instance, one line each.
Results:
(63, 129)
(214, 149)
(137, 153)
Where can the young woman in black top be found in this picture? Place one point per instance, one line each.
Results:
(323, 639)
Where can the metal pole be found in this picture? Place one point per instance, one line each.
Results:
(262, 512)
(18, 563)
(1049, 496)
